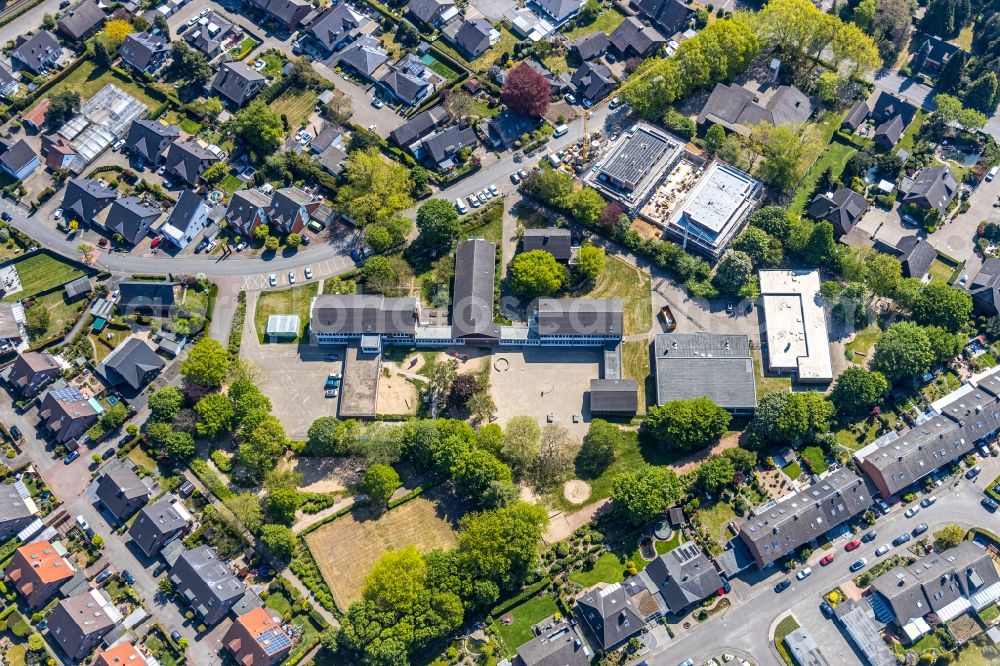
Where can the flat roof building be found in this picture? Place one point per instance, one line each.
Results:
(614, 397)
(282, 326)
(857, 619)
(797, 339)
(804, 649)
(635, 165)
(714, 366)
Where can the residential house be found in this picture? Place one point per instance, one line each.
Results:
(408, 81)
(206, 583)
(931, 188)
(186, 160)
(133, 363)
(914, 253)
(843, 209)
(590, 46)
(559, 644)
(144, 51)
(238, 82)
(66, 413)
(891, 116)
(60, 154)
(84, 198)
(365, 55)
(508, 127)
(158, 524)
(432, 13)
(77, 288)
(608, 616)
(121, 654)
(679, 579)
(472, 37)
(34, 118)
(122, 492)
(857, 115)
(18, 160)
(593, 82)
(338, 27)
(31, 371)
(247, 209)
(558, 83)
(778, 529)
(737, 109)
(937, 588)
(149, 139)
(985, 288)
(148, 297)
(289, 14)
(934, 53)
(209, 33)
(290, 208)
(38, 53)
(81, 21)
(557, 241)
(11, 329)
(442, 148)
(79, 622)
(17, 509)
(556, 12)
(332, 160)
(257, 638)
(188, 218)
(632, 39)
(418, 127)
(37, 570)
(130, 218)
(8, 83)
(670, 16)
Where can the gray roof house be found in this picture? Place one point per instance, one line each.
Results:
(122, 492)
(37, 53)
(188, 218)
(715, 366)
(985, 288)
(247, 209)
(590, 46)
(159, 523)
(931, 187)
(130, 218)
(66, 413)
(149, 139)
(352, 315)
(406, 81)
(208, 34)
(79, 623)
(613, 397)
(339, 26)
(670, 16)
(915, 254)
(843, 209)
(441, 147)
(574, 317)
(206, 583)
(558, 83)
(776, 530)
(559, 645)
(508, 127)
(132, 363)
(149, 297)
(238, 82)
(473, 293)
(18, 160)
(144, 51)
(365, 55)
(31, 371)
(855, 116)
(891, 115)
(421, 125)
(608, 615)
(84, 198)
(736, 108)
(557, 241)
(556, 11)
(8, 84)
(187, 160)
(431, 12)
(81, 21)
(290, 208)
(681, 578)
(934, 53)
(17, 509)
(593, 81)
(77, 288)
(473, 37)
(290, 14)
(632, 39)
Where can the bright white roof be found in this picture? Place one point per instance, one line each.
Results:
(797, 337)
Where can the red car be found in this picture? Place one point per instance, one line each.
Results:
(852, 545)
(156, 241)
(826, 560)
(103, 242)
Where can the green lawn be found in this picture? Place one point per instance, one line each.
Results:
(910, 135)
(608, 569)
(274, 63)
(785, 627)
(715, 518)
(940, 271)
(769, 384)
(108, 339)
(495, 52)
(793, 470)
(528, 614)
(231, 184)
(816, 459)
(87, 79)
(835, 157)
(440, 67)
(294, 300)
(189, 126)
(621, 280)
(481, 110)
(296, 105)
(40, 272)
(62, 315)
(857, 349)
(964, 39)
(635, 365)
(243, 50)
(990, 614)
(606, 23)
(663, 547)
(489, 226)
(142, 459)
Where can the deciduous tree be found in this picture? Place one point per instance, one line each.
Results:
(903, 353)
(437, 222)
(686, 425)
(526, 91)
(590, 261)
(521, 443)
(215, 415)
(640, 495)
(535, 273)
(259, 128)
(374, 189)
(379, 483)
(600, 446)
(207, 363)
(858, 389)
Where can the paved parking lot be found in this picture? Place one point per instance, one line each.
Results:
(538, 382)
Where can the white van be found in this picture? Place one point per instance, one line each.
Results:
(554, 160)
(992, 173)
(462, 210)
(560, 130)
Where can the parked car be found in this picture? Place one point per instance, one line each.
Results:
(882, 507)
(108, 453)
(58, 214)
(71, 456)
(315, 226)
(522, 173)
(912, 511)
(494, 190)
(804, 573)
(377, 103)
(82, 522)
(851, 545)
(826, 560)
(104, 575)
(869, 537)
(858, 564)
(201, 246)
(128, 577)
(989, 504)
(291, 277)
(782, 585)
(15, 432)
(242, 245)
(615, 103)
(272, 279)
(973, 473)
(826, 609)
(882, 550)
(176, 635)
(992, 173)
(514, 178)
(901, 539)
(5, 216)
(308, 272)
(927, 501)
(919, 529)
(372, 127)
(473, 200)
(159, 568)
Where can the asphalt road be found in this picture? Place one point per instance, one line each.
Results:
(746, 627)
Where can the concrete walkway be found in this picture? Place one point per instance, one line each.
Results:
(310, 519)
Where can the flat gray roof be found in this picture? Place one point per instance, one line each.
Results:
(715, 366)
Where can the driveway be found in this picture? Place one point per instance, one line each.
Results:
(957, 238)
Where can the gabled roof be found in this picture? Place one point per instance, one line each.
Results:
(609, 614)
(557, 241)
(632, 35)
(856, 115)
(131, 218)
(985, 287)
(669, 15)
(419, 126)
(336, 24)
(614, 396)
(593, 80)
(237, 81)
(85, 198)
(202, 572)
(17, 156)
(186, 158)
(289, 12)
(146, 138)
(509, 126)
(140, 48)
(141, 294)
(28, 364)
(208, 33)
(933, 187)
(404, 85)
(888, 133)
(130, 361)
(157, 521)
(473, 36)
(119, 490)
(842, 208)
(13, 504)
(472, 297)
(579, 316)
(357, 314)
(37, 51)
(256, 633)
(40, 561)
(937, 51)
(245, 205)
(446, 143)
(286, 203)
(591, 45)
(365, 55)
(559, 10)
(558, 645)
(916, 255)
(428, 11)
(682, 577)
(122, 654)
(735, 108)
(81, 20)
(185, 211)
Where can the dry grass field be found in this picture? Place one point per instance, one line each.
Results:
(346, 549)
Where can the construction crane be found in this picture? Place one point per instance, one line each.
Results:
(586, 140)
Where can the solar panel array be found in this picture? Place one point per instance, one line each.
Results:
(274, 640)
(635, 158)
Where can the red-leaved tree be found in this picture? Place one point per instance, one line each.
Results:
(526, 91)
